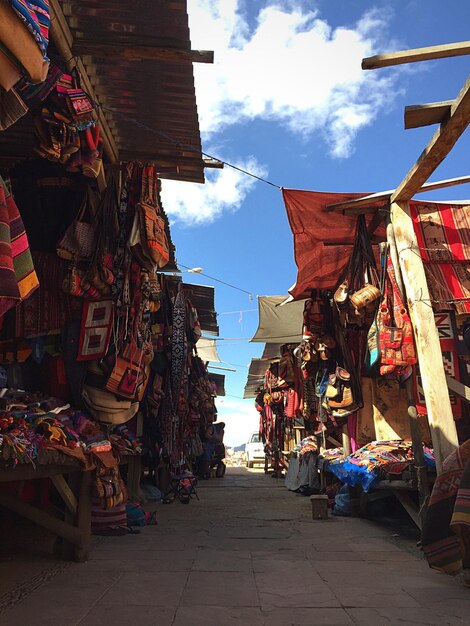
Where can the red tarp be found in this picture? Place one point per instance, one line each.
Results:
(321, 238)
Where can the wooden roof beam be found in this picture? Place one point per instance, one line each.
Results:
(438, 148)
(141, 53)
(418, 115)
(63, 40)
(416, 54)
(368, 202)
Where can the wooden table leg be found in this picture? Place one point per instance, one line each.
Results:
(84, 517)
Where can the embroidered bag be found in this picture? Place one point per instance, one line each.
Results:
(395, 332)
(78, 241)
(148, 240)
(127, 371)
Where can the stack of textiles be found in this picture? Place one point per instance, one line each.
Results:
(309, 444)
(30, 425)
(124, 442)
(333, 455)
(91, 434)
(375, 459)
(380, 454)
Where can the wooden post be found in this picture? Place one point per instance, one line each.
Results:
(84, 518)
(415, 428)
(441, 419)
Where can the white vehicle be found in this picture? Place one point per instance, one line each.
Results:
(254, 450)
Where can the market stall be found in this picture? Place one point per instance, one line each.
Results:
(384, 323)
(97, 347)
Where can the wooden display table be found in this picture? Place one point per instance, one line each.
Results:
(74, 487)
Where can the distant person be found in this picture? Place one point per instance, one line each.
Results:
(213, 437)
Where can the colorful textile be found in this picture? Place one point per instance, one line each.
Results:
(35, 16)
(97, 324)
(12, 108)
(446, 528)
(449, 286)
(448, 338)
(442, 231)
(178, 346)
(18, 277)
(322, 242)
(48, 309)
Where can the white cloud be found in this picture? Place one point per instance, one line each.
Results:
(223, 191)
(286, 65)
(292, 68)
(240, 417)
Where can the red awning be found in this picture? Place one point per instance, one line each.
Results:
(322, 239)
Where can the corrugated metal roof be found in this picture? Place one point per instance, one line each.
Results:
(219, 380)
(202, 297)
(258, 368)
(159, 94)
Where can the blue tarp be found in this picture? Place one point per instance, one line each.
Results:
(353, 475)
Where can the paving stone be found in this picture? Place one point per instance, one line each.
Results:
(306, 617)
(143, 589)
(247, 553)
(293, 585)
(404, 617)
(235, 589)
(210, 560)
(72, 589)
(30, 613)
(120, 615)
(143, 561)
(374, 597)
(198, 615)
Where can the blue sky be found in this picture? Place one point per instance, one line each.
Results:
(286, 99)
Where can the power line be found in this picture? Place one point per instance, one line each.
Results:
(182, 144)
(220, 281)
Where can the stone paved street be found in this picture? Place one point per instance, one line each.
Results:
(247, 553)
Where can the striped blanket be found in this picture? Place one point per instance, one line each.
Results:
(35, 16)
(17, 275)
(443, 234)
(446, 528)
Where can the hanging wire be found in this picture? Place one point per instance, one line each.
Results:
(220, 281)
(181, 144)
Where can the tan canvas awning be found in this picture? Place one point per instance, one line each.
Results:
(279, 324)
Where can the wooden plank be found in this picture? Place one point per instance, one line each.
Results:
(441, 420)
(409, 506)
(84, 518)
(65, 492)
(372, 199)
(28, 471)
(459, 388)
(416, 54)
(365, 201)
(70, 533)
(418, 115)
(62, 38)
(438, 148)
(140, 53)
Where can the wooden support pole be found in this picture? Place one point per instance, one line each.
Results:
(438, 147)
(441, 419)
(416, 54)
(84, 517)
(415, 428)
(65, 492)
